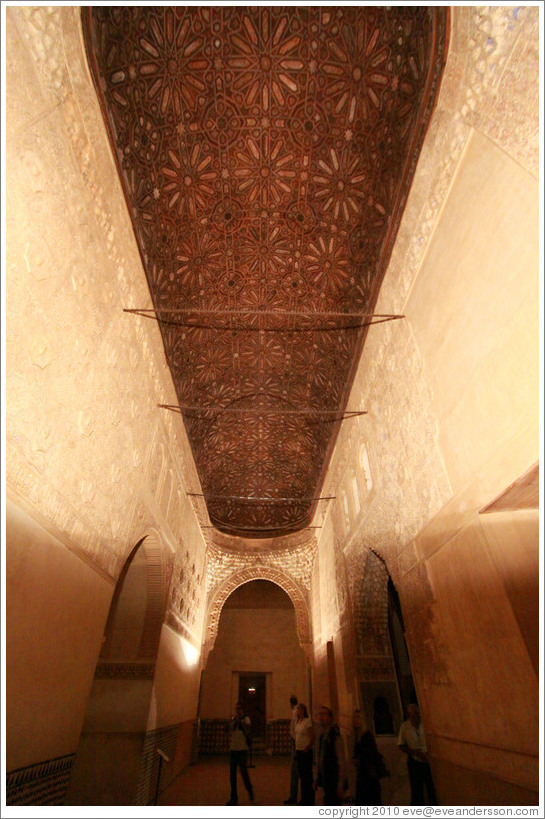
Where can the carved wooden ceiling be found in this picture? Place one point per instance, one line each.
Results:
(266, 155)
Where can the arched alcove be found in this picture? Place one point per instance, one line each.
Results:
(108, 758)
(384, 673)
(258, 572)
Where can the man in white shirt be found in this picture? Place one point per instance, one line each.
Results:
(412, 742)
(294, 775)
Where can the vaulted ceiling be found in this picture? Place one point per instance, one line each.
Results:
(266, 155)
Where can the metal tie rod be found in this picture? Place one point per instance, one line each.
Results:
(260, 528)
(247, 311)
(259, 500)
(265, 411)
(373, 318)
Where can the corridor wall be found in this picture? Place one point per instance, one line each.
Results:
(92, 464)
(450, 498)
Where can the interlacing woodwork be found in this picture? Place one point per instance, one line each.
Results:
(266, 155)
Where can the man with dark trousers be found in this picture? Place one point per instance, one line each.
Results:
(412, 742)
(294, 775)
(239, 736)
(330, 763)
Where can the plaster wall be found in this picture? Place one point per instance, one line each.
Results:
(480, 275)
(50, 661)
(474, 312)
(263, 640)
(98, 778)
(176, 682)
(120, 714)
(511, 539)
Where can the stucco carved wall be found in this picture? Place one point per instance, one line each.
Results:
(490, 84)
(97, 463)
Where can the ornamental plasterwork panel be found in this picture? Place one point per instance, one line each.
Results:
(295, 563)
(400, 428)
(502, 92)
(186, 597)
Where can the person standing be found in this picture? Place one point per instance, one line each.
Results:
(240, 740)
(412, 742)
(369, 764)
(294, 776)
(304, 743)
(330, 768)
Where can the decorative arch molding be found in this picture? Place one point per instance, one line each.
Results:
(243, 576)
(158, 569)
(372, 606)
(158, 572)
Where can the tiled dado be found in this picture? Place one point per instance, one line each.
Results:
(44, 783)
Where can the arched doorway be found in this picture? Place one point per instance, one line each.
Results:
(257, 658)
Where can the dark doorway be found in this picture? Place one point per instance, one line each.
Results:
(252, 693)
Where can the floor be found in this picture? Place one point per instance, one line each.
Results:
(207, 783)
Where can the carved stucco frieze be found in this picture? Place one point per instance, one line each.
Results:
(124, 671)
(185, 606)
(372, 669)
(295, 562)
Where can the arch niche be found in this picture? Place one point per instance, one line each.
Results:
(237, 579)
(109, 754)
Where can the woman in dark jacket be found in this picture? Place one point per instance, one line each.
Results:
(369, 764)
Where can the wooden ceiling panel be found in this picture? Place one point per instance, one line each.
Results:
(266, 154)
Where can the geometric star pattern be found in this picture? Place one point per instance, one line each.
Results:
(266, 154)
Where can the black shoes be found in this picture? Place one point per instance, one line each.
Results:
(290, 801)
